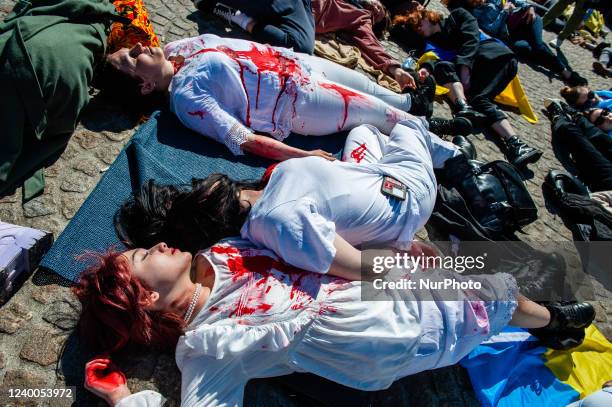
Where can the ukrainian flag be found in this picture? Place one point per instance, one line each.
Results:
(513, 369)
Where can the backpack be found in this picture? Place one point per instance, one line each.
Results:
(490, 199)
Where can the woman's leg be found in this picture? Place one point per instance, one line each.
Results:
(332, 108)
(356, 80)
(364, 144)
(542, 52)
(529, 314)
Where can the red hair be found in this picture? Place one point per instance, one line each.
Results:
(113, 308)
(414, 17)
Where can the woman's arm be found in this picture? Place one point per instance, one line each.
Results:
(347, 261)
(276, 150)
(468, 36)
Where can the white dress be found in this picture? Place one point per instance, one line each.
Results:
(228, 87)
(307, 201)
(265, 318)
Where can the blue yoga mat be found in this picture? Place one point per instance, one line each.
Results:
(164, 150)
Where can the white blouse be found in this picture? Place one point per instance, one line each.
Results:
(227, 88)
(265, 318)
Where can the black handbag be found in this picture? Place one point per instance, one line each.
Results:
(494, 193)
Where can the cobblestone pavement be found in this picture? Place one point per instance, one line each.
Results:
(35, 325)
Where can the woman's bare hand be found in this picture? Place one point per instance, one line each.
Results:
(321, 153)
(105, 380)
(404, 79)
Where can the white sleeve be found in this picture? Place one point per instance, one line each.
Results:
(146, 398)
(297, 233)
(197, 109)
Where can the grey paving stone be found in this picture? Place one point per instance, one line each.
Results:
(102, 133)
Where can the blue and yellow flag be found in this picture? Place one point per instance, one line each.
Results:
(513, 369)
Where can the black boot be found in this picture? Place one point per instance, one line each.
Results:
(459, 126)
(567, 323)
(555, 109)
(575, 80)
(465, 146)
(422, 97)
(559, 182)
(462, 109)
(519, 154)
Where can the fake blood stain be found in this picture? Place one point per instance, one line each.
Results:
(265, 59)
(359, 153)
(346, 95)
(260, 274)
(198, 113)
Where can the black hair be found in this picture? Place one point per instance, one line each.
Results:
(189, 220)
(124, 90)
(141, 220)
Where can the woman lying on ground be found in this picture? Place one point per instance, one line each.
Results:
(517, 25)
(281, 23)
(362, 23)
(309, 209)
(231, 90)
(473, 68)
(236, 312)
(586, 138)
(583, 98)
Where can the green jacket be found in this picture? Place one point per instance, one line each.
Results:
(48, 49)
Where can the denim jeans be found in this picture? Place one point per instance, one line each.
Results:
(527, 43)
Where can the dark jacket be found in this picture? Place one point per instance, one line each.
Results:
(48, 49)
(460, 33)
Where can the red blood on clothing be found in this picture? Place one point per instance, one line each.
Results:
(346, 95)
(265, 59)
(198, 113)
(359, 153)
(213, 309)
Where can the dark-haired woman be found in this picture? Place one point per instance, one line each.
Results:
(473, 68)
(311, 209)
(236, 312)
(517, 25)
(583, 98)
(230, 90)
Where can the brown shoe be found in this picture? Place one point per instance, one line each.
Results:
(600, 69)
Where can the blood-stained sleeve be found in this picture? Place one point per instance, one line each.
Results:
(197, 108)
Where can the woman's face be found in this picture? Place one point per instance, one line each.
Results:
(160, 267)
(584, 96)
(426, 29)
(145, 63)
(602, 118)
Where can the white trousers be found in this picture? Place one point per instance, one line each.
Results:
(343, 99)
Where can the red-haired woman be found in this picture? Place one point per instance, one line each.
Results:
(236, 312)
(473, 68)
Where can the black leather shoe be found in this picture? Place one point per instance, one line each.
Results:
(574, 315)
(458, 126)
(463, 109)
(567, 323)
(576, 80)
(559, 340)
(519, 154)
(465, 146)
(422, 97)
(560, 182)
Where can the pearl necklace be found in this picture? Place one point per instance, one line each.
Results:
(192, 304)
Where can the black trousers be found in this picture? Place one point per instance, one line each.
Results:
(489, 77)
(281, 23)
(590, 148)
